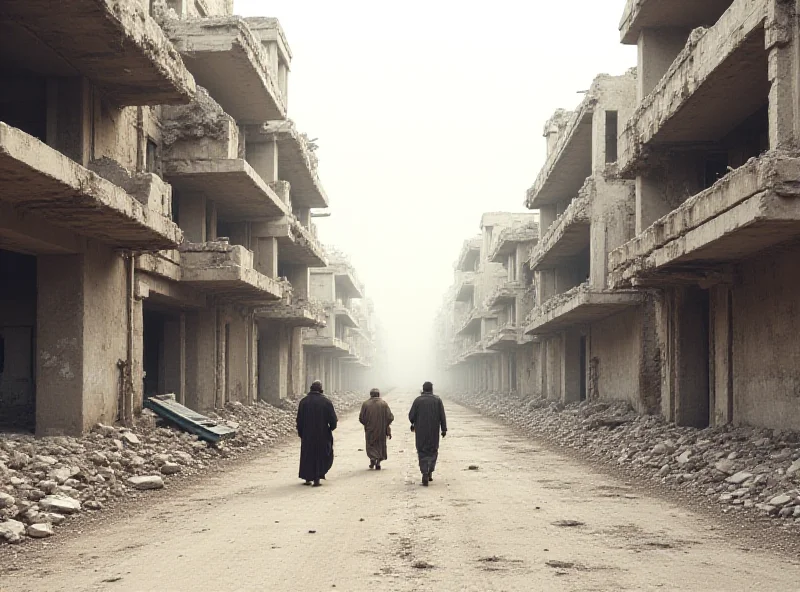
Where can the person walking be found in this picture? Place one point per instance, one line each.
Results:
(316, 420)
(427, 419)
(376, 417)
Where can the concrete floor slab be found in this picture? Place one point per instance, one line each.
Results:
(579, 306)
(37, 179)
(228, 59)
(114, 43)
(568, 236)
(227, 271)
(239, 192)
(296, 162)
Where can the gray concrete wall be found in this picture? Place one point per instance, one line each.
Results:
(766, 349)
(104, 333)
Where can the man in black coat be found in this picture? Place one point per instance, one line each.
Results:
(316, 420)
(427, 419)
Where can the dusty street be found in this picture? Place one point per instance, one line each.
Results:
(495, 528)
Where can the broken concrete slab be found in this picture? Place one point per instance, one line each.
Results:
(578, 306)
(228, 59)
(224, 269)
(39, 180)
(114, 43)
(146, 482)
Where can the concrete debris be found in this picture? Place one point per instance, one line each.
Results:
(11, 531)
(43, 481)
(742, 468)
(145, 482)
(39, 531)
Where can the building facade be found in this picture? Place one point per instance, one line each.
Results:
(155, 212)
(480, 322)
(670, 222)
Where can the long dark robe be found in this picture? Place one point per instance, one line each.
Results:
(316, 420)
(428, 419)
(376, 417)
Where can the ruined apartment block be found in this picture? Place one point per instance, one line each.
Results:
(341, 353)
(592, 342)
(712, 147)
(156, 231)
(480, 334)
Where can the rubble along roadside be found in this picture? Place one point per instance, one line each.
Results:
(753, 471)
(47, 482)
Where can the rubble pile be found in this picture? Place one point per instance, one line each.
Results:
(46, 481)
(741, 468)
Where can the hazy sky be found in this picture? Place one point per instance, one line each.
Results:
(429, 114)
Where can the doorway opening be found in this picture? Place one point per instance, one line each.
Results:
(17, 341)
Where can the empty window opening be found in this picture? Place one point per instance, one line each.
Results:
(612, 133)
(23, 104)
(17, 336)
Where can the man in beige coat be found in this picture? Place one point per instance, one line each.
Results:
(376, 417)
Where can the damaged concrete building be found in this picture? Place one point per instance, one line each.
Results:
(155, 211)
(593, 342)
(713, 149)
(480, 326)
(341, 353)
(670, 222)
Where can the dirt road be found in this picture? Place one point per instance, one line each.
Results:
(505, 526)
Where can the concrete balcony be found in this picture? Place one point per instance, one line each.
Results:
(506, 293)
(579, 306)
(509, 238)
(466, 286)
(297, 245)
(469, 255)
(472, 323)
(327, 344)
(347, 283)
(227, 272)
(694, 101)
(752, 208)
(114, 43)
(567, 237)
(294, 312)
(297, 162)
(344, 315)
(503, 338)
(675, 14)
(39, 180)
(201, 157)
(570, 161)
(228, 59)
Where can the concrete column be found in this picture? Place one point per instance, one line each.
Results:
(201, 359)
(263, 157)
(650, 204)
(212, 222)
(547, 215)
(273, 362)
(783, 96)
(553, 367)
(658, 48)
(238, 357)
(192, 217)
(303, 215)
(174, 374)
(571, 366)
(721, 358)
(59, 345)
(299, 277)
(267, 256)
(297, 356)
